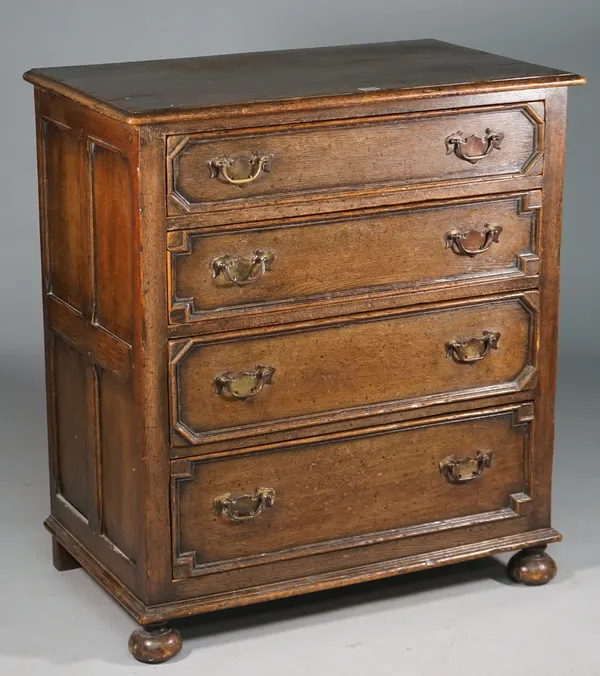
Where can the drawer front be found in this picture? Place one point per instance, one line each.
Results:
(286, 164)
(299, 375)
(385, 483)
(301, 262)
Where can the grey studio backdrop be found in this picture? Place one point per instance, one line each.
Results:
(462, 620)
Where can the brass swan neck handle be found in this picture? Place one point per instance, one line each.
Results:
(246, 507)
(459, 240)
(241, 271)
(474, 148)
(227, 167)
(244, 384)
(471, 350)
(461, 470)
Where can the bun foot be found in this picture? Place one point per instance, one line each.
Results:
(532, 567)
(155, 643)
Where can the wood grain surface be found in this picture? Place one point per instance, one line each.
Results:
(331, 157)
(382, 358)
(367, 485)
(354, 317)
(340, 256)
(168, 89)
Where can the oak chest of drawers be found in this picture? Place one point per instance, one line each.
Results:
(300, 318)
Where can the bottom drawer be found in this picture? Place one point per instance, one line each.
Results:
(350, 489)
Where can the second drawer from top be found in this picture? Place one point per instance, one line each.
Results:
(228, 271)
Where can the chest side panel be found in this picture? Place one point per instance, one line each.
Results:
(88, 167)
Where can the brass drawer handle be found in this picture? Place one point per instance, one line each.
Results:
(244, 384)
(470, 350)
(461, 470)
(474, 148)
(456, 239)
(240, 508)
(256, 164)
(242, 271)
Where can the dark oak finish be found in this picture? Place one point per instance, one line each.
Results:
(348, 157)
(68, 242)
(74, 430)
(313, 260)
(155, 643)
(86, 345)
(532, 567)
(113, 229)
(194, 596)
(167, 90)
(362, 484)
(300, 315)
(61, 558)
(120, 464)
(349, 366)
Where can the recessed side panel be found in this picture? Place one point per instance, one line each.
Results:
(87, 165)
(120, 468)
(74, 425)
(113, 240)
(68, 241)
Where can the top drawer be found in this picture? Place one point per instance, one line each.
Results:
(283, 165)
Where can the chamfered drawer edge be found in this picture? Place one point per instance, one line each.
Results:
(236, 385)
(236, 274)
(386, 483)
(295, 164)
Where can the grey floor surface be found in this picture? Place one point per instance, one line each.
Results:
(463, 620)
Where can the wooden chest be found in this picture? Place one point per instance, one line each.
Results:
(300, 319)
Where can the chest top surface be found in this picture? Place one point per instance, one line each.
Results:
(147, 91)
